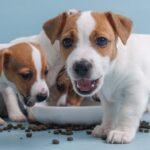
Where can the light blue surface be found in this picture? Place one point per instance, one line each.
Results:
(42, 141)
(25, 17)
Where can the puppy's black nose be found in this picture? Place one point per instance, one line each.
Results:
(41, 97)
(82, 68)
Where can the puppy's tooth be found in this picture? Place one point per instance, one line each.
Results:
(93, 85)
(78, 86)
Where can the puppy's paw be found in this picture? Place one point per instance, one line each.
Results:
(18, 117)
(2, 122)
(100, 131)
(120, 137)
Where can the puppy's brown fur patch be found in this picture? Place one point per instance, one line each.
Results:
(17, 60)
(64, 86)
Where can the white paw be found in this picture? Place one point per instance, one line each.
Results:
(2, 122)
(100, 131)
(18, 117)
(120, 137)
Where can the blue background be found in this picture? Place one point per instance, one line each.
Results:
(25, 17)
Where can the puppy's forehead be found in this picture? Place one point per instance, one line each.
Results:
(85, 23)
(71, 22)
(22, 54)
(88, 21)
(102, 25)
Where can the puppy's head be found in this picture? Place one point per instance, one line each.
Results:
(25, 69)
(64, 87)
(88, 44)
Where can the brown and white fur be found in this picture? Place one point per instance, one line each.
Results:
(117, 69)
(23, 71)
(52, 52)
(62, 93)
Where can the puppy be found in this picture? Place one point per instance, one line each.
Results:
(52, 51)
(23, 71)
(62, 93)
(99, 59)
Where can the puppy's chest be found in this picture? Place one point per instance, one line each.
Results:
(114, 85)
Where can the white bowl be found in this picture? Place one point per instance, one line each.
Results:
(65, 115)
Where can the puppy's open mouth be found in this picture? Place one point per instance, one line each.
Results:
(86, 86)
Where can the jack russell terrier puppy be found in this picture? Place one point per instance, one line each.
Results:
(62, 93)
(101, 57)
(52, 51)
(23, 71)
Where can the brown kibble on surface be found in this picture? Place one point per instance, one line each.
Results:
(55, 141)
(69, 138)
(146, 130)
(88, 132)
(56, 131)
(9, 126)
(28, 134)
(140, 130)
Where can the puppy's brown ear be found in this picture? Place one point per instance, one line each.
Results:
(54, 27)
(6, 58)
(121, 25)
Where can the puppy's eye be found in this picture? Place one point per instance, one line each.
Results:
(27, 75)
(61, 87)
(67, 42)
(101, 41)
(46, 71)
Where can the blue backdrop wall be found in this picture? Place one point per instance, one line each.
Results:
(25, 17)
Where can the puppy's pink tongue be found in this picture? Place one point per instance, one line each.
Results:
(84, 85)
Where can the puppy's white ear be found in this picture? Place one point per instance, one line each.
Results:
(54, 27)
(121, 25)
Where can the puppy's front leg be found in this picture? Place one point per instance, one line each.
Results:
(2, 121)
(130, 110)
(12, 106)
(109, 111)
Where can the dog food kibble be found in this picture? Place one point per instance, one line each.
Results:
(28, 130)
(28, 134)
(67, 130)
(69, 133)
(1, 130)
(56, 131)
(9, 126)
(144, 127)
(15, 127)
(19, 125)
(88, 132)
(55, 141)
(140, 130)
(146, 130)
(69, 138)
(22, 128)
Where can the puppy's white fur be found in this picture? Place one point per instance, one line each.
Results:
(55, 61)
(84, 50)
(8, 89)
(124, 86)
